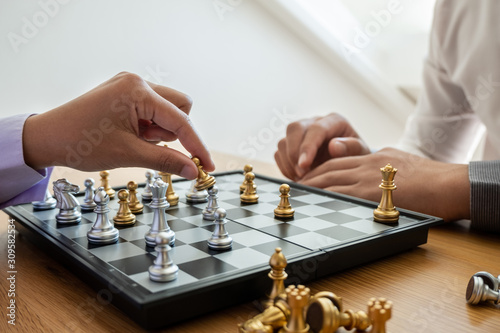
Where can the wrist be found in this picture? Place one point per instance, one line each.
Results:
(456, 193)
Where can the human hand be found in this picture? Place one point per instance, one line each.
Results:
(116, 125)
(311, 142)
(423, 185)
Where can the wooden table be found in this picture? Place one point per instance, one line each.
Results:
(427, 285)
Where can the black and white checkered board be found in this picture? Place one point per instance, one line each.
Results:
(328, 233)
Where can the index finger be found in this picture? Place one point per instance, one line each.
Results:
(182, 101)
(168, 116)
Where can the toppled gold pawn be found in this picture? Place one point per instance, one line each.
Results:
(136, 207)
(250, 195)
(124, 216)
(105, 183)
(204, 180)
(284, 209)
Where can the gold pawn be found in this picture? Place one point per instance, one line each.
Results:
(105, 183)
(124, 216)
(204, 180)
(248, 168)
(136, 207)
(250, 195)
(386, 212)
(284, 209)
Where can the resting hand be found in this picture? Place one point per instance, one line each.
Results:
(311, 142)
(117, 125)
(423, 185)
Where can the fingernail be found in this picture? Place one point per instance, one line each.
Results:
(188, 172)
(302, 159)
(340, 149)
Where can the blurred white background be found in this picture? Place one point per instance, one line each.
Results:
(250, 66)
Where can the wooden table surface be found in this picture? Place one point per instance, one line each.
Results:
(427, 284)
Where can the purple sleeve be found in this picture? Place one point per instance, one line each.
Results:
(19, 183)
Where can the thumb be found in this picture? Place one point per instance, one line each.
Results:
(342, 147)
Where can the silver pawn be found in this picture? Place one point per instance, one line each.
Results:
(49, 202)
(66, 202)
(220, 239)
(103, 230)
(212, 205)
(147, 194)
(159, 203)
(195, 196)
(163, 268)
(88, 201)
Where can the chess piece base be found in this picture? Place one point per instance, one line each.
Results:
(137, 210)
(103, 236)
(88, 207)
(223, 243)
(69, 217)
(388, 217)
(45, 205)
(284, 213)
(251, 199)
(163, 274)
(124, 222)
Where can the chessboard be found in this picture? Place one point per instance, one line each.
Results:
(328, 233)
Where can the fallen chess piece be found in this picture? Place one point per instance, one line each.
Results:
(482, 288)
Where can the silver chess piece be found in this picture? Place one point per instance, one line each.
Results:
(49, 202)
(479, 291)
(163, 268)
(195, 196)
(212, 205)
(220, 239)
(66, 202)
(103, 230)
(147, 194)
(88, 201)
(159, 203)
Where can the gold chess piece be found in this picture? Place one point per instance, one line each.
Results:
(386, 212)
(284, 209)
(105, 183)
(380, 312)
(325, 314)
(136, 207)
(297, 299)
(273, 318)
(204, 180)
(172, 197)
(248, 168)
(124, 216)
(250, 195)
(277, 275)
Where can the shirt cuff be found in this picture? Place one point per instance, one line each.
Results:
(484, 179)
